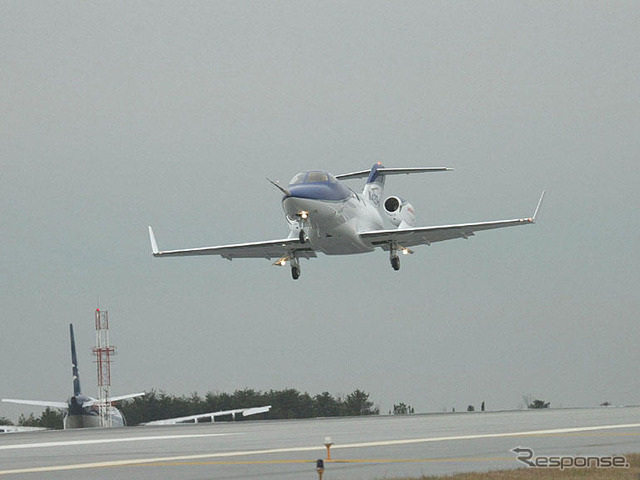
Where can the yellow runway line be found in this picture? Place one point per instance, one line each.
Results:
(329, 462)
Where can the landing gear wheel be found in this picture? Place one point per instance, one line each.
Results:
(303, 237)
(395, 263)
(295, 272)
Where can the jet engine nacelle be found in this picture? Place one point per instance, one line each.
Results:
(400, 212)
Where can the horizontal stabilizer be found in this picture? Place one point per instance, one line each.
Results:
(126, 397)
(95, 401)
(392, 171)
(39, 403)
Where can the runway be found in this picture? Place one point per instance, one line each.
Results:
(365, 448)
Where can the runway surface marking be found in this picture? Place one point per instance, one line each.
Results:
(109, 440)
(351, 460)
(160, 460)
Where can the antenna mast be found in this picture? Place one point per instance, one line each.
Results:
(103, 353)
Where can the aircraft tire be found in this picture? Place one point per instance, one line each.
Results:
(295, 272)
(395, 263)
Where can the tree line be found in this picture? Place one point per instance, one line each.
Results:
(50, 418)
(285, 404)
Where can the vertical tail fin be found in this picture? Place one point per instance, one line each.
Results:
(74, 364)
(374, 187)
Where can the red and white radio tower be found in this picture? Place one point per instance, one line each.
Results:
(103, 353)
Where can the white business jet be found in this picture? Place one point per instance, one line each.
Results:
(325, 215)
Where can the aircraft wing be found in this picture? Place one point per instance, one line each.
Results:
(268, 249)
(39, 403)
(210, 416)
(13, 428)
(409, 237)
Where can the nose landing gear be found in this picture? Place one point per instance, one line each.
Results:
(303, 217)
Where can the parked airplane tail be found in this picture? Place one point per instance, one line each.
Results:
(74, 364)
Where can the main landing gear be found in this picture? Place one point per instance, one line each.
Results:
(393, 255)
(295, 268)
(295, 272)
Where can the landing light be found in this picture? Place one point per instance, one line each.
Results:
(405, 251)
(304, 215)
(281, 262)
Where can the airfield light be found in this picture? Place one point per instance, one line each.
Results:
(327, 443)
(320, 467)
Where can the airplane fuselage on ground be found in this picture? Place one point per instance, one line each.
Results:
(82, 411)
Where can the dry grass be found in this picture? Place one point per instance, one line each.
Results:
(546, 473)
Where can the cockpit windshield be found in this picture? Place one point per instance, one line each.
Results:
(312, 177)
(299, 178)
(317, 177)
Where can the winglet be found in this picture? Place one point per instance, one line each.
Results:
(535, 214)
(154, 245)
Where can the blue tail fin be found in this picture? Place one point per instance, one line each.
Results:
(74, 364)
(374, 187)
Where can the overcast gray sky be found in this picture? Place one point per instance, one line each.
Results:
(120, 115)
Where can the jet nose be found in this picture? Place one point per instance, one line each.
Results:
(303, 191)
(293, 205)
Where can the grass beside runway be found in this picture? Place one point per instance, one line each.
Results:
(529, 473)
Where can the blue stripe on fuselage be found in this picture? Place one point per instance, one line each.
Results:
(329, 191)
